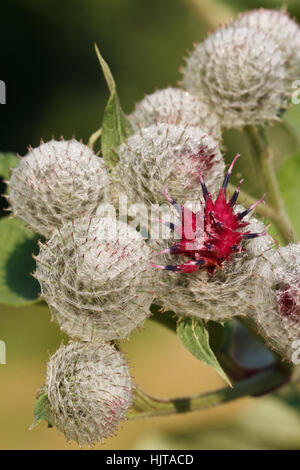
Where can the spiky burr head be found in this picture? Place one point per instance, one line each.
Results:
(213, 234)
(241, 74)
(277, 299)
(175, 106)
(281, 28)
(55, 182)
(167, 155)
(89, 389)
(94, 275)
(226, 293)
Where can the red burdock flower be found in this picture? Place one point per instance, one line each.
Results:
(212, 235)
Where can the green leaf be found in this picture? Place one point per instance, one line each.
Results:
(7, 161)
(115, 125)
(17, 243)
(114, 130)
(42, 411)
(107, 73)
(195, 338)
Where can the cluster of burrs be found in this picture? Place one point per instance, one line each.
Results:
(95, 271)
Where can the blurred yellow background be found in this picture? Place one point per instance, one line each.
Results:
(162, 367)
(159, 364)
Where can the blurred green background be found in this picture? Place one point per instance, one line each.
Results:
(55, 87)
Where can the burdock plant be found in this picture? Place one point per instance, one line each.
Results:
(101, 277)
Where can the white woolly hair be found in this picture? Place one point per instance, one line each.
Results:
(89, 390)
(95, 276)
(57, 181)
(277, 299)
(281, 28)
(167, 156)
(226, 293)
(175, 106)
(240, 73)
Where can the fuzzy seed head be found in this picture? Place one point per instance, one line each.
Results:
(57, 181)
(240, 73)
(167, 155)
(281, 28)
(175, 106)
(89, 389)
(94, 275)
(277, 299)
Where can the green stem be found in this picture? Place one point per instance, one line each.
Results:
(146, 406)
(264, 155)
(94, 137)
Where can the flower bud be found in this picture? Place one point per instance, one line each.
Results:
(277, 299)
(89, 389)
(175, 106)
(167, 156)
(240, 73)
(57, 181)
(94, 275)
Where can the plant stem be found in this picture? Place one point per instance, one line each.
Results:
(94, 137)
(146, 406)
(263, 153)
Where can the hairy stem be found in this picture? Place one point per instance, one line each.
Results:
(94, 137)
(264, 155)
(146, 406)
